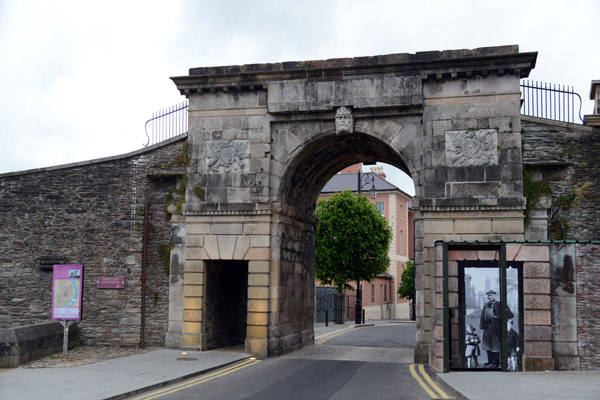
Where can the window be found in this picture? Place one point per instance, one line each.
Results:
(380, 206)
(385, 292)
(372, 293)
(401, 240)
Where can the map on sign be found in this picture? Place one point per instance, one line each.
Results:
(66, 292)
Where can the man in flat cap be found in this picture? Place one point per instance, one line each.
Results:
(491, 324)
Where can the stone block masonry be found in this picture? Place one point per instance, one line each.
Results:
(588, 305)
(31, 342)
(91, 213)
(566, 157)
(265, 140)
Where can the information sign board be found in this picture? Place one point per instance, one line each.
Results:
(111, 282)
(67, 289)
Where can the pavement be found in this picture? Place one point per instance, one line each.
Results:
(125, 377)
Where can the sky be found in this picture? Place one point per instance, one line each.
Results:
(79, 79)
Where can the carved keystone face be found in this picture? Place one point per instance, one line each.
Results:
(344, 120)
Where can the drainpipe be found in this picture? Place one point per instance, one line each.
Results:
(144, 261)
(414, 299)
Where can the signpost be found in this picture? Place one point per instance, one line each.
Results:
(67, 295)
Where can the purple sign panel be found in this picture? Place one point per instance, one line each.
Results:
(111, 282)
(67, 288)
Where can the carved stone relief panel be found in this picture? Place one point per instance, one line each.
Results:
(471, 147)
(228, 156)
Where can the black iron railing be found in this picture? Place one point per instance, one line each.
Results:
(167, 123)
(550, 101)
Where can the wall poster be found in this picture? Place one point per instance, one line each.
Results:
(67, 287)
(480, 322)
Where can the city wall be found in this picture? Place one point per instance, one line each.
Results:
(91, 213)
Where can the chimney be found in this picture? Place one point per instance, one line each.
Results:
(353, 169)
(594, 119)
(378, 171)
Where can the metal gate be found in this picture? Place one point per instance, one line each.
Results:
(351, 306)
(326, 303)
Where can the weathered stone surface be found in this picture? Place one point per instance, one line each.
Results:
(538, 364)
(588, 298)
(23, 344)
(91, 213)
(567, 156)
(538, 333)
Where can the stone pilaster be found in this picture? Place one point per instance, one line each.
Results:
(194, 284)
(537, 355)
(258, 307)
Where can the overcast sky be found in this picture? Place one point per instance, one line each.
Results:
(78, 79)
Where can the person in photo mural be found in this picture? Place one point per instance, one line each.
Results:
(491, 324)
(513, 347)
(472, 351)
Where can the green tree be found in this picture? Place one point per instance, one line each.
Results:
(353, 240)
(406, 289)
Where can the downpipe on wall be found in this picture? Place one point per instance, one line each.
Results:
(144, 261)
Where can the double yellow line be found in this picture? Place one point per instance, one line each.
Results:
(324, 339)
(430, 386)
(199, 380)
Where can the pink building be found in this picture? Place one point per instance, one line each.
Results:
(379, 298)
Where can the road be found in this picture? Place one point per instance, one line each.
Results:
(361, 363)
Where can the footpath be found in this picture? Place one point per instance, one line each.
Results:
(124, 377)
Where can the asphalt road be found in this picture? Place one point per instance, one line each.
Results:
(363, 363)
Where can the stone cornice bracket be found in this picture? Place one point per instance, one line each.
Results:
(470, 204)
(469, 208)
(186, 89)
(452, 64)
(195, 213)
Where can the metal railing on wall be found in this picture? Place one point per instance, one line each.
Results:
(550, 101)
(167, 123)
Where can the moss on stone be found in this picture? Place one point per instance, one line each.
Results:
(165, 255)
(198, 192)
(533, 190)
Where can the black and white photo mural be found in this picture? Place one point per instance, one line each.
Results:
(480, 323)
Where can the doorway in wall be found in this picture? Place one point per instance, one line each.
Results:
(226, 303)
(484, 337)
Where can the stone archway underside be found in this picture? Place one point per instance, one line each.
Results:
(320, 159)
(263, 142)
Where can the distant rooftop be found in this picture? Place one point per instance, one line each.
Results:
(341, 182)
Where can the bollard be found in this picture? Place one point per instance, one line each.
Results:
(363, 315)
(326, 317)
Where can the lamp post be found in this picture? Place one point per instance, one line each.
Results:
(363, 181)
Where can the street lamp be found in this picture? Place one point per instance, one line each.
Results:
(363, 181)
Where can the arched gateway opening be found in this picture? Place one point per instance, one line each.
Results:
(264, 139)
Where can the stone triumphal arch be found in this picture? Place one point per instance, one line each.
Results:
(263, 141)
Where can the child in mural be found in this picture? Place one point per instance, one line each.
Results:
(513, 347)
(472, 351)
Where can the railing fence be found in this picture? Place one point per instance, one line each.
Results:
(167, 123)
(550, 101)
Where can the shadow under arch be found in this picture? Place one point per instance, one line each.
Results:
(321, 158)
